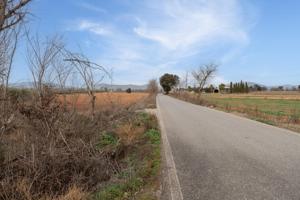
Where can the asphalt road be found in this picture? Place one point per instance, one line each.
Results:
(222, 156)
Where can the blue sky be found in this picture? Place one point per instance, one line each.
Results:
(252, 40)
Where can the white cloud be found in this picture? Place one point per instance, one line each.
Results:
(159, 36)
(217, 80)
(93, 27)
(185, 24)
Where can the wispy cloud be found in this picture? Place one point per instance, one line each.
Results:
(191, 23)
(93, 27)
(91, 7)
(170, 36)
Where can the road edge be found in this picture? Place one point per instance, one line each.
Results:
(173, 181)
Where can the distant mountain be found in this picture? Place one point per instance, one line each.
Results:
(22, 85)
(286, 87)
(102, 86)
(252, 84)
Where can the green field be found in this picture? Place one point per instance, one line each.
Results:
(281, 110)
(275, 107)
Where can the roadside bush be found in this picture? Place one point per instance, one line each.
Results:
(53, 153)
(51, 150)
(19, 96)
(140, 167)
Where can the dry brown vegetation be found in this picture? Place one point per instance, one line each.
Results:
(48, 152)
(105, 100)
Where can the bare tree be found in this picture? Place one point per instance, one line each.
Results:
(203, 74)
(12, 12)
(40, 56)
(62, 72)
(91, 73)
(8, 46)
(152, 87)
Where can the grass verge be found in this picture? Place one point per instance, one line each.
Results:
(138, 177)
(283, 112)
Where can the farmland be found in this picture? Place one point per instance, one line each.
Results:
(276, 108)
(105, 100)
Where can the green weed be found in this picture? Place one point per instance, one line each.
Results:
(108, 139)
(153, 135)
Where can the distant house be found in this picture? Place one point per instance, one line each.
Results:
(227, 88)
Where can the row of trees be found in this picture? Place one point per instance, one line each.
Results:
(202, 75)
(240, 87)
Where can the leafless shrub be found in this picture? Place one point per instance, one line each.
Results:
(91, 73)
(152, 87)
(45, 149)
(40, 57)
(62, 72)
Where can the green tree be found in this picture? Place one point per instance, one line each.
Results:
(222, 87)
(235, 88)
(128, 90)
(168, 81)
(246, 88)
(242, 87)
(231, 88)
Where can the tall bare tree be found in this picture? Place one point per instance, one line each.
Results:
(8, 44)
(62, 71)
(40, 57)
(12, 12)
(203, 74)
(91, 73)
(152, 87)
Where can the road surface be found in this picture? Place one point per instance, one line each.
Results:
(222, 156)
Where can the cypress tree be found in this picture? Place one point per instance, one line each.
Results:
(242, 87)
(247, 88)
(235, 88)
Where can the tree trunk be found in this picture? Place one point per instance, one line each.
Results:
(2, 13)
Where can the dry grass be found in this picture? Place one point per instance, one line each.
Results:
(128, 132)
(74, 193)
(105, 100)
(47, 151)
